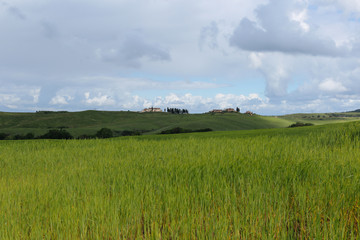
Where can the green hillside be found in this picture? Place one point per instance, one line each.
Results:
(323, 118)
(88, 122)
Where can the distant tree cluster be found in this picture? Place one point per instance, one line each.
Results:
(3, 136)
(61, 133)
(108, 133)
(102, 133)
(48, 112)
(56, 134)
(51, 134)
(177, 111)
(6, 136)
(183, 130)
(300, 124)
(23, 137)
(130, 133)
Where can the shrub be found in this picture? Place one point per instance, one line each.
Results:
(300, 124)
(130, 133)
(176, 130)
(3, 136)
(18, 137)
(203, 130)
(182, 130)
(57, 134)
(104, 133)
(29, 136)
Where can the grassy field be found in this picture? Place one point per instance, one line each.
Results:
(301, 183)
(89, 122)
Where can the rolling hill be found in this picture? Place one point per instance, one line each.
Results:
(89, 122)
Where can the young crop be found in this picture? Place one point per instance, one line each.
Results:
(282, 184)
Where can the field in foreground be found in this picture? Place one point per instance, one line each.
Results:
(264, 184)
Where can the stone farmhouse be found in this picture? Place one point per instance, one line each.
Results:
(216, 111)
(151, 109)
(222, 110)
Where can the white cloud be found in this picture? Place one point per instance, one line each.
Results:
(99, 100)
(255, 60)
(229, 100)
(130, 84)
(301, 17)
(351, 6)
(275, 31)
(132, 51)
(330, 85)
(209, 35)
(277, 69)
(17, 96)
(60, 100)
(9, 100)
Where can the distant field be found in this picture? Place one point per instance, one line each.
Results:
(322, 118)
(88, 122)
(301, 183)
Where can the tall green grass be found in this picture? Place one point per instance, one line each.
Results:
(285, 186)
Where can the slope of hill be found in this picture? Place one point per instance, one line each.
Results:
(88, 122)
(323, 118)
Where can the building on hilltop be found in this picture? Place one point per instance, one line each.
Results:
(222, 110)
(216, 111)
(229, 110)
(151, 109)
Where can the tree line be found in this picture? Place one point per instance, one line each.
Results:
(183, 130)
(61, 133)
(177, 111)
(51, 134)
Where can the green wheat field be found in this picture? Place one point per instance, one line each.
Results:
(301, 183)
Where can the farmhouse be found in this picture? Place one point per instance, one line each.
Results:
(216, 111)
(222, 110)
(249, 113)
(152, 109)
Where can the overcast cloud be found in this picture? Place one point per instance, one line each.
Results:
(268, 56)
(282, 26)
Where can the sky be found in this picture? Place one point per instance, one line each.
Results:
(271, 57)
